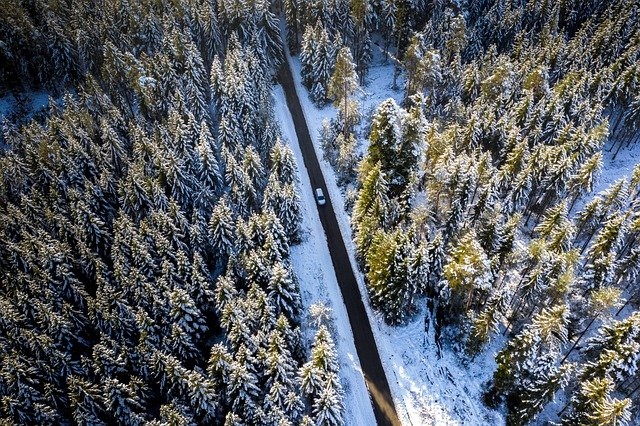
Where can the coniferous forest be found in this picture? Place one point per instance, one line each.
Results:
(146, 219)
(148, 211)
(473, 195)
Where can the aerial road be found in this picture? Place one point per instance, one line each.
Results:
(366, 348)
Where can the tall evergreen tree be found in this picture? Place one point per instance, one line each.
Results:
(341, 86)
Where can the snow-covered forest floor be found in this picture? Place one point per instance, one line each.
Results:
(612, 170)
(428, 387)
(22, 109)
(30, 102)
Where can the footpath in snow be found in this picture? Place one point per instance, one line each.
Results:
(427, 390)
(314, 269)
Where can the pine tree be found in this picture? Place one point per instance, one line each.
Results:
(176, 414)
(341, 86)
(483, 325)
(281, 370)
(122, 402)
(221, 229)
(600, 302)
(179, 181)
(283, 163)
(436, 259)
(518, 361)
(600, 258)
(584, 179)
(195, 79)
(218, 365)
(616, 349)
(284, 202)
(186, 315)
(554, 220)
(318, 58)
(385, 137)
(307, 54)
(86, 400)
(327, 408)
(252, 166)
(293, 19)
(539, 389)
(243, 391)
(347, 161)
(424, 68)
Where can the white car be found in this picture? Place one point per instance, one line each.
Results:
(320, 197)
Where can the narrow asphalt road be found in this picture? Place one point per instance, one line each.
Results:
(374, 375)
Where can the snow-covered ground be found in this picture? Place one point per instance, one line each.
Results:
(10, 110)
(622, 166)
(426, 390)
(33, 102)
(612, 170)
(313, 267)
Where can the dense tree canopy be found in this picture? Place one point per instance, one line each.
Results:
(480, 181)
(146, 219)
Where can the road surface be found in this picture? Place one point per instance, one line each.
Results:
(366, 348)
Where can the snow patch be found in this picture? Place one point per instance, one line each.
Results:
(612, 170)
(32, 102)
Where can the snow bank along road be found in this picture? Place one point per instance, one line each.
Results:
(366, 348)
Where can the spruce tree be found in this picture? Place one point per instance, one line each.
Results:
(319, 381)
(283, 292)
(390, 275)
(518, 361)
(594, 405)
(370, 213)
(467, 274)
